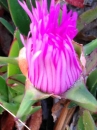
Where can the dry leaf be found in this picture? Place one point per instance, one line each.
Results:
(65, 117)
(6, 122)
(36, 119)
(56, 109)
(77, 3)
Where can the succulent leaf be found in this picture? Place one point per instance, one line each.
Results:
(81, 96)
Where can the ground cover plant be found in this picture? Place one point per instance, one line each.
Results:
(48, 66)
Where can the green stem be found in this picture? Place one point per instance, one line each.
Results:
(11, 60)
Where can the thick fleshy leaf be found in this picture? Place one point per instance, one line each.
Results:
(3, 88)
(92, 82)
(18, 98)
(17, 36)
(80, 125)
(91, 62)
(7, 25)
(14, 51)
(12, 94)
(3, 69)
(17, 83)
(81, 96)
(86, 18)
(4, 4)
(88, 121)
(88, 48)
(92, 79)
(19, 16)
(12, 107)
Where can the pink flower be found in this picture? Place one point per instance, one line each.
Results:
(52, 61)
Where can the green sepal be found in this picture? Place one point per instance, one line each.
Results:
(81, 96)
(26, 103)
(31, 96)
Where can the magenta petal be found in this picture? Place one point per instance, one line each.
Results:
(53, 66)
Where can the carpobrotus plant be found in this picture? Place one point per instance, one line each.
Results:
(47, 63)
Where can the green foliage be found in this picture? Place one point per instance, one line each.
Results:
(80, 125)
(4, 4)
(17, 36)
(18, 100)
(81, 96)
(14, 51)
(26, 105)
(3, 69)
(91, 62)
(86, 18)
(86, 122)
(17, 83)
(92, 82)
(19, 17)
(7, 25)
(3, 89)
(88, 48)
(72, 104)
